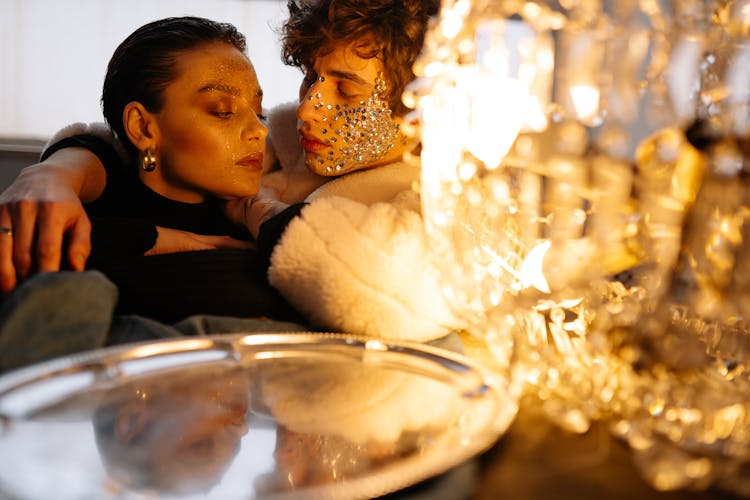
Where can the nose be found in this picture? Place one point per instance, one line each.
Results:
(306, 111)
(255, 130)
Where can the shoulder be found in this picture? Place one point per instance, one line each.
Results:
(376, 185)
(98, 130)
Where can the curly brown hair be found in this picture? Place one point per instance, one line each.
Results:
(391, 30)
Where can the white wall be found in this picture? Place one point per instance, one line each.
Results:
(53, 54)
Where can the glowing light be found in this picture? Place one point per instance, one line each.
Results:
(585, 101)
(498, 110)
(531, 269)
(433, 69)
(563, 204)
(451, 25)
(467, 170)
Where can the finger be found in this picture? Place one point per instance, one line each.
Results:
(79, 244)
(49, 241)
(24, 216)
(7, 269)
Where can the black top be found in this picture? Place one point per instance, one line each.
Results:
(170, 287)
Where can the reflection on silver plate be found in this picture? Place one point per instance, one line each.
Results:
(298, 415)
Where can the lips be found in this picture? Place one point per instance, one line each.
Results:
(310, 143)
(253, 161)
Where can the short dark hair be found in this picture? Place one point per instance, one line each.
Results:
(391, 30)
(143, 65)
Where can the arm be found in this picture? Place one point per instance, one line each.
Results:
(253, 212)
(114, 239)
(43, 208)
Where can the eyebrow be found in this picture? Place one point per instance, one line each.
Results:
(227, 89)
(346, 75)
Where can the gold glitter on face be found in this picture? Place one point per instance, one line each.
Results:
(346, 124)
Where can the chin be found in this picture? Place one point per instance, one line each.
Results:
(318, 169)
(322, 172)
(312, 163)
(236, 195)
(243, 190)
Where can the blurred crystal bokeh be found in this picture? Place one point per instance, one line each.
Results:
(585, 173)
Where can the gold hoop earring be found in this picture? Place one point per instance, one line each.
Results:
(149, 161)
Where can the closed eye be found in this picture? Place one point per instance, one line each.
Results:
(343, 93)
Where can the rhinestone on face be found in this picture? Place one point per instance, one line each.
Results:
(367, 131)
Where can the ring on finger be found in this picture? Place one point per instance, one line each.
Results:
(6, 230)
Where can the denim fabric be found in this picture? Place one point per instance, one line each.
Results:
(54, 314)
(132, 328)
(208, 325)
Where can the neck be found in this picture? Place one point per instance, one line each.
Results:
(156, 182)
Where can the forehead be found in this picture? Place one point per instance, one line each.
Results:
(345, 60)
(216, 62)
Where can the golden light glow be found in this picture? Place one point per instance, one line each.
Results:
(558, 219)
(585, 100)
(532, 268)
(491, 138)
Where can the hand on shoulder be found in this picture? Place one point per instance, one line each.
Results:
(39, 213)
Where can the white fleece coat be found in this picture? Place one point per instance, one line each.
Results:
(357, 259)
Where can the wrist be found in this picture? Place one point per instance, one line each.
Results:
(76, 168)
(259, 209)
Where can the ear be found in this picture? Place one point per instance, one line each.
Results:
(140, 126)
(131, 420)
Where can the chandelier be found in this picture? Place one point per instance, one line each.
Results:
(585, 172)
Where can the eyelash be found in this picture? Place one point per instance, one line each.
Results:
(226, 114)
(311, 77)
(342, 93)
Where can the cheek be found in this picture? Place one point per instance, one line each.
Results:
(199, 141)
(324, 163)
(199, 153)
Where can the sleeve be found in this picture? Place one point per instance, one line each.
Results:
(111, 155)
(362, 269)
(103, 150)
(114, 238)
(98, 130)
(173, 286)
(271, 231)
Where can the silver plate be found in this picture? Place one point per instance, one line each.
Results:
(245, 416)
